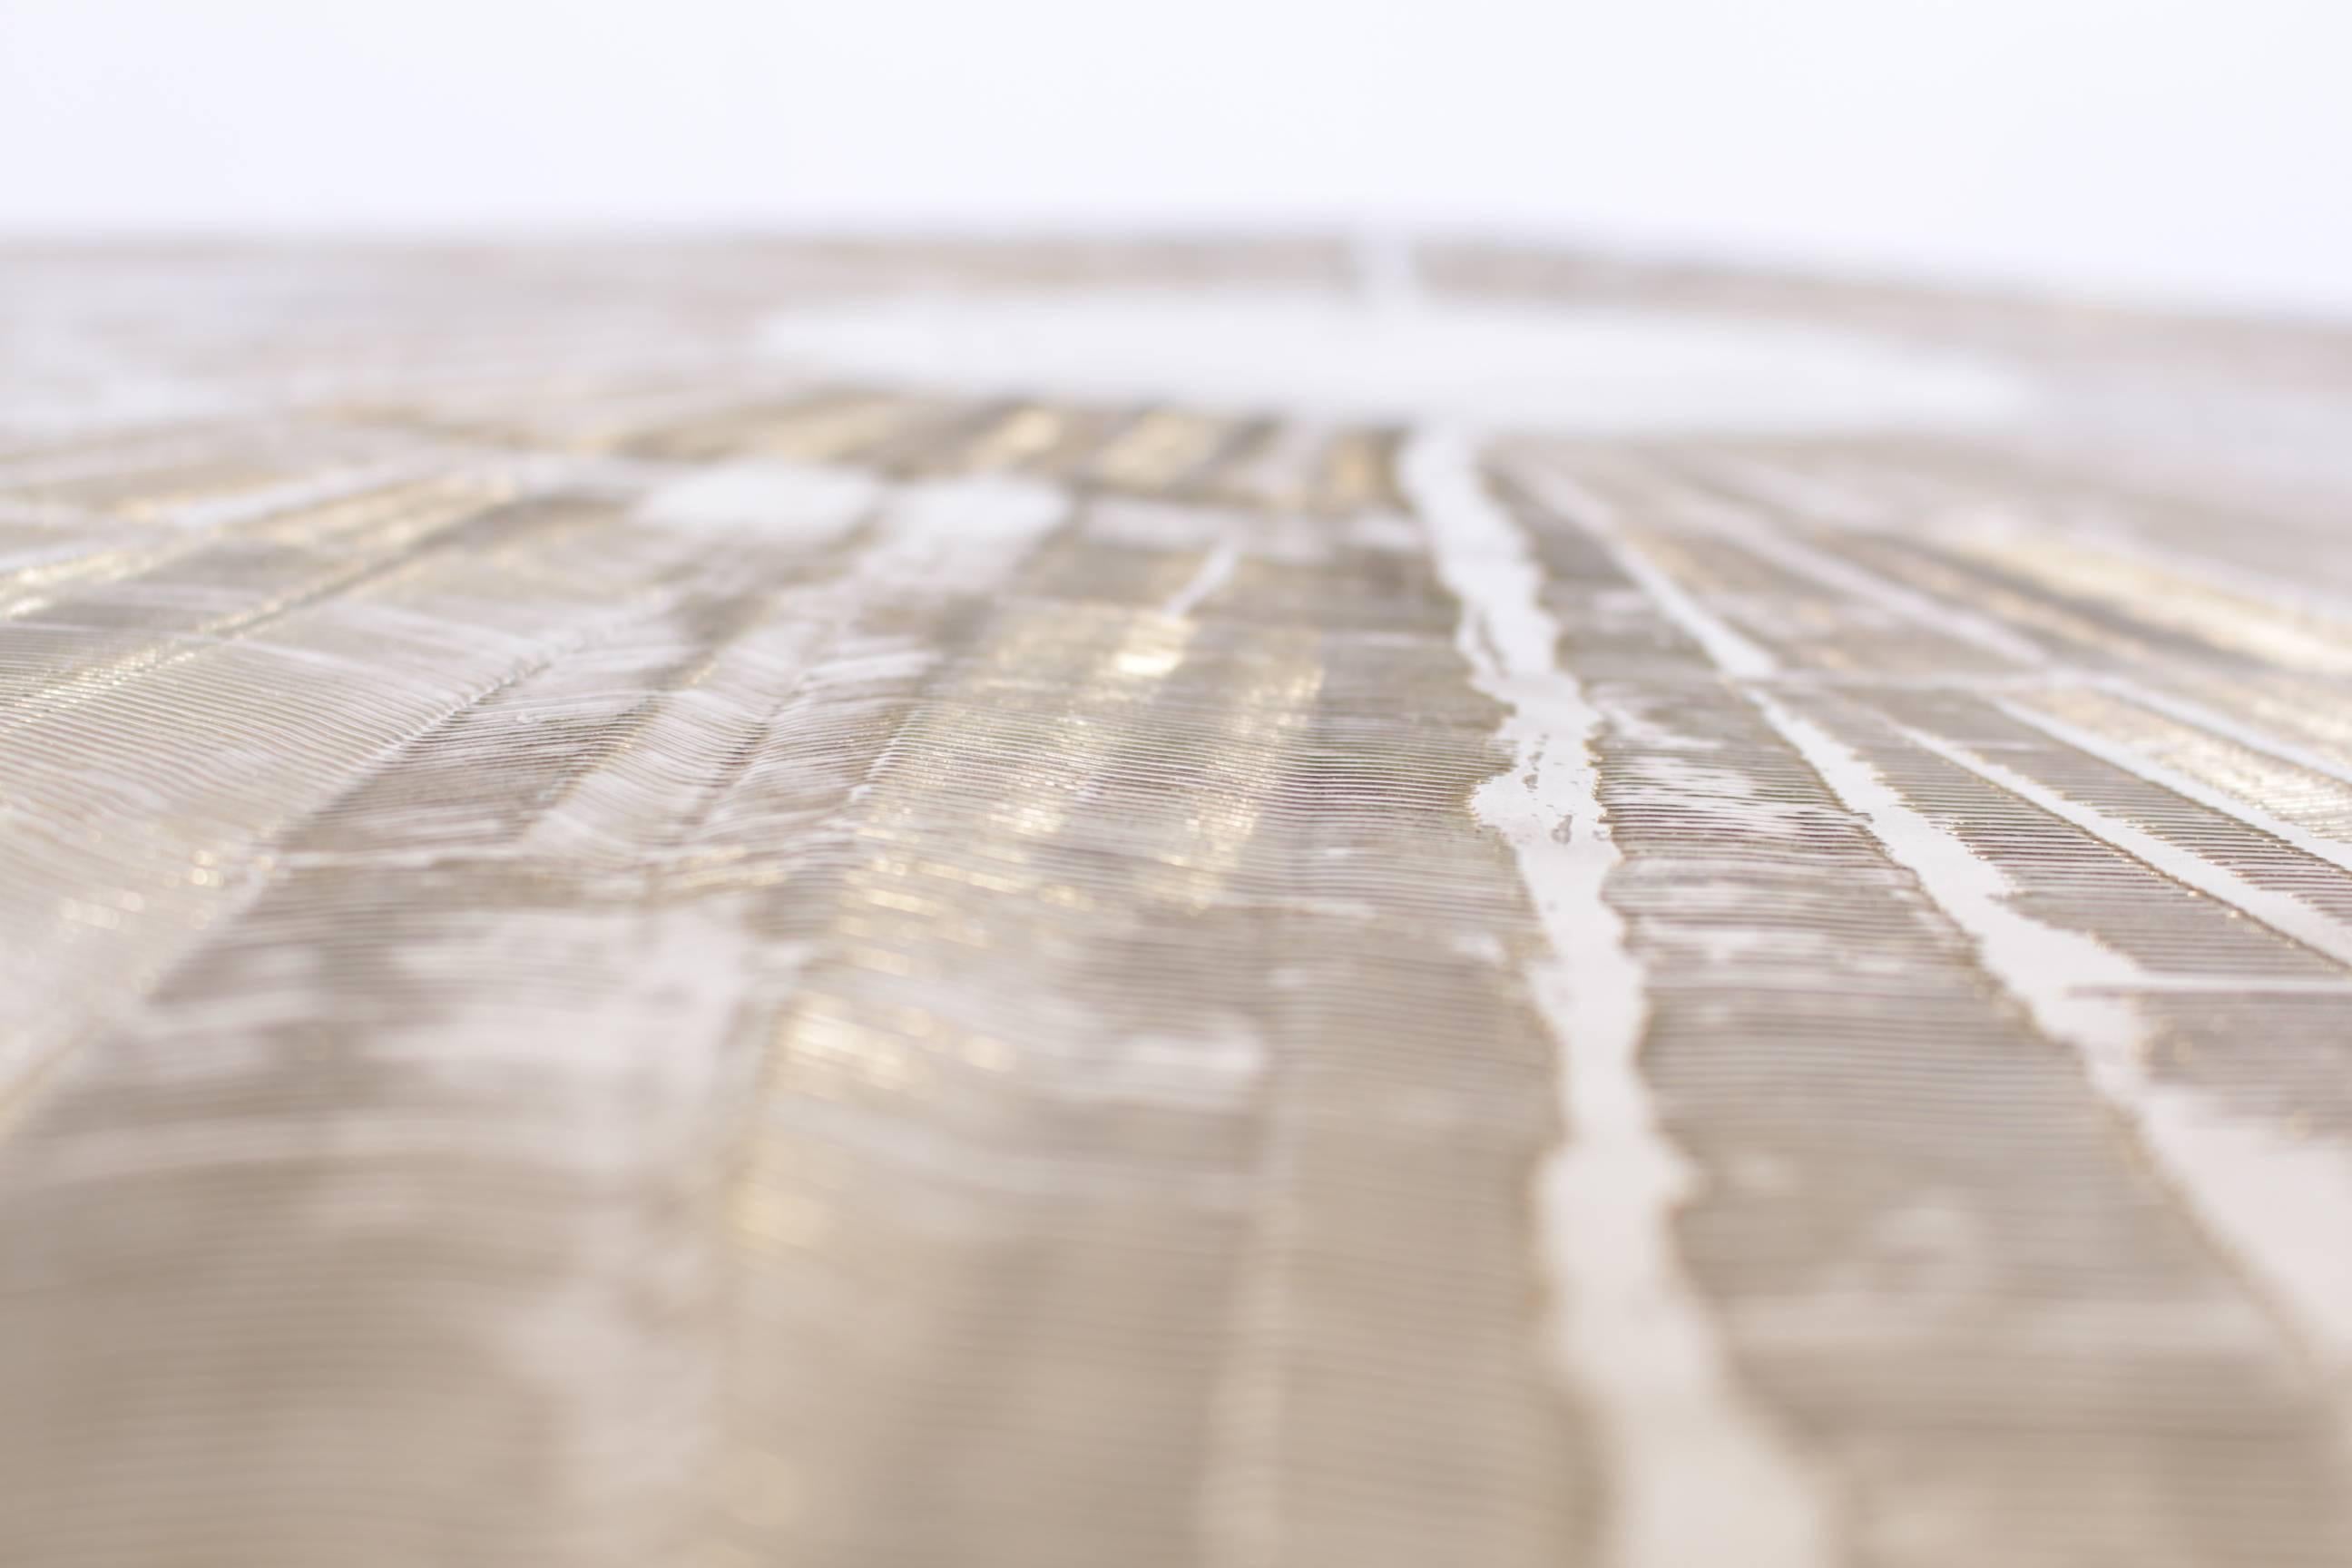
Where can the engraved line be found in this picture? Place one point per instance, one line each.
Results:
(2118, 756)
(2203, 717)
(1753, 525)
(2287, 915)
(1627, 1327)
(2275, 1203)
(1733, 654)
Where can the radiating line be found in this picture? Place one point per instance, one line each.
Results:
(2336, 852)
(1628, 1327)
(2281, 1206)
(2289, 916)
(1734, 654)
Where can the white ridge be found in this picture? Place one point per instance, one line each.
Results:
(2282, 1206)
(1629, 1333)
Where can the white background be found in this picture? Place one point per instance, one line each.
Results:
(2189, 148)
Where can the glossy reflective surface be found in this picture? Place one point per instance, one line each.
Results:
(629, 941)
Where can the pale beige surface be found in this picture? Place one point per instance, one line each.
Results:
(615, 949)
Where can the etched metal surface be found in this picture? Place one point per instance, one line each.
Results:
(624, 944)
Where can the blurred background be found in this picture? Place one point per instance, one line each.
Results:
(2186, 151)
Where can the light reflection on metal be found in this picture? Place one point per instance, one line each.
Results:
(677, 956)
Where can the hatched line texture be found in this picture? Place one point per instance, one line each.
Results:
(623, 943)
